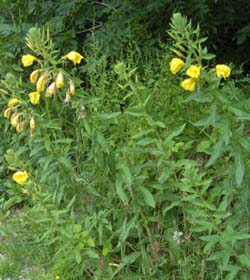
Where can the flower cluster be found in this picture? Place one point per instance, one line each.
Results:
(43, 79)
(43, 83)
(194, 71)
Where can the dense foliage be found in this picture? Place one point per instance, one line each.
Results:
(115, 23)
(126, 147)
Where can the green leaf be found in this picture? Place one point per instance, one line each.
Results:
(127, 177)
(78, 257)
(77, 228)
(175, 132)
(208, 56)
(245, 260)
(148, 197)
(164, 175)
(142, 133)
(217, 152)
(131, 258)
(239, 167)
(159, 124)
(239, 113)
(147, 141)
(90, 242)
(107, 116)
(91, 253)
(107, 248)
(120, 191)
(203, 146)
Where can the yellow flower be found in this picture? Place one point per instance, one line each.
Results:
(40, 85)
(194, 71)
(71, 88)
(20, 177)
(28, 60)
(223, 70)
(34, 76)
(189, 84)
(175, 65)
(7, 112)
(34, 97)
(14, 119)
(51, 90)
(74, 57)
(13, 102)
(59, 80)
(20, 127)
(57, 277)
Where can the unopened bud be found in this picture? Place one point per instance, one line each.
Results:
(59, 80)
(51, 90)
(7, 112)
(20, 126)
(71, 88)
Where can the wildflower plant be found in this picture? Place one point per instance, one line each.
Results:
(222, 121)
(127, 169)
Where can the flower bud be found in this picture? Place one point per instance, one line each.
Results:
(59, 80)
(34, 76)
(67, 98)
(32, 123)
(14, 119)
(32, 127)
(20, 126)
(71, 88)
(7, 112)
(51, 90)
(40, 85)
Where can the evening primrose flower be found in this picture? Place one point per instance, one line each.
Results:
(13, 102)
(51, 90)
(34, 76)
(59, 80)
(189, 84)
(75, 57)
(194, 71)
(222, 70)
(34, 97)
(28, 60)
(7, 113)
(176, 64)
(20, 177)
